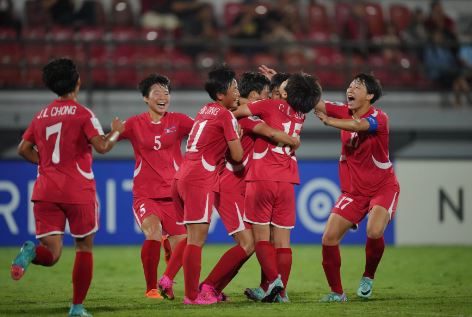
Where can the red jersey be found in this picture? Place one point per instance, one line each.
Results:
(207, 143)
(275, 162)
(364, 164)
(157, 152)
(62, 132)
(233, 175)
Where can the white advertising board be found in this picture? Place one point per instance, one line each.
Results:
(435, 205)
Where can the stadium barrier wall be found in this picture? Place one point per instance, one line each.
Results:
(435, 205)
(315, 196)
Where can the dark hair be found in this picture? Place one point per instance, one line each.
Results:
(60, 76)
(219, 80)
(303, 92)
(145, 85)
(278, 79)
(372, 85)
(252, 81)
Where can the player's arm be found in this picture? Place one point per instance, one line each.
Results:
(276, 136)
(243, 109)
(355, 125)
(320, 107)
(267, 71)
(28, 152)
(236, 150)
(103, 144)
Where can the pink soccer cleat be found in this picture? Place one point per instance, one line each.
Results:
(165, 287)
(202, 299)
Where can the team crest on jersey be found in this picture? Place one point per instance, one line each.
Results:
(171, 129)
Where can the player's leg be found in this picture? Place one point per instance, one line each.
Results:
(166, 245)
(284, 258)
(151, 252)
(335, 229)
(50, 223)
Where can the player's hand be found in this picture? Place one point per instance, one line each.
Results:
(322, 116)
(117, 125)
(240, 131)
(266, 71)
(297, 143)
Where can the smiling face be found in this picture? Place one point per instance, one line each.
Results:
(230, 99)
(357, 96)
(158, 99)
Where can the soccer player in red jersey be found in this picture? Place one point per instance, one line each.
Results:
(230, 199)
(270, 196)
(156, 136)
(58, 140)
(214, 132)
(368, 182)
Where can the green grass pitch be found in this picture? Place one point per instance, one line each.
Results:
(411, 281)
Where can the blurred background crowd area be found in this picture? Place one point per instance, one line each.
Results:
(408, 45)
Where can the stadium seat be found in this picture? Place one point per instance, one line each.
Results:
(35, 15)
(124, 76)
(10, 53)
(375, 19)
(32, 77)
(342, 11)
(36, 53)
(123, 33)
(121, 14)
(7, 33)
(10, 76)
(59, 33)
(123, 54)
(91, 34)
(400, 16)
(265, 59)
(38, 33)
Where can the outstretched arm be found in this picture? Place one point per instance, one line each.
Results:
(276, 135)
(103, 144)
(320, 106)
(354, 125)
(243, 109)
(28, 152)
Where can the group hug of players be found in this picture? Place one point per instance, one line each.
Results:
(240, 159)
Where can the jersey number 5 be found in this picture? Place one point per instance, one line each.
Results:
(55, 128)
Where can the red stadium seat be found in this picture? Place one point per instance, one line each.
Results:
(121, 13)
(375, 19)
(32, 77)
(91, 34)
(10, 53)
(265, 59)
(123, 54)
(124, 33)
(342, 12)
(59, 33)
(10, 76)
(36, 53)
(400, 16)
(7, 33)
(125, 76)
(35, 14)
(100, 76)
(37, 33)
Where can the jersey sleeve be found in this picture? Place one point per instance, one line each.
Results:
(29, 133)
(186, 124)
(92, 126)
(128, 131)
(249, 123)
(382, 122)
(336, 110)
(260, 108)
(230, 126)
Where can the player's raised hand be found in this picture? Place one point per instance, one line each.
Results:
(266, 71)
(117, 125)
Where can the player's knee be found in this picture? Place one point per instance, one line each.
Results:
(375, 232)
(248, 246)
(329, 238)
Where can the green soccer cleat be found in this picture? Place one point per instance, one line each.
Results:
(23, 260)
(78, 310)
(333, 297)
(255, 294)
(282, 299)
(273, 290)
(365, 287)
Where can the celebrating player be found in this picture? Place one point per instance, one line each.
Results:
(270, 196)
(276, 79)
(368, 182)
(58, 140)
(156, 136)
(230, 199)
(214, 132)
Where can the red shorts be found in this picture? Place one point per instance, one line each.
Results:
(230, 207)
(163, 208)
(193, 204)
(269, 202)
(355, 207)
(51, 218)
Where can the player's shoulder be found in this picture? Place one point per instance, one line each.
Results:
(83, 110)
(178, 116)
(379, 113)
(335, 103)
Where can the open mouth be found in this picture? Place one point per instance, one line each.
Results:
(350, 98)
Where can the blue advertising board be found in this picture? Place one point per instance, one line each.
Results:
(315, 196)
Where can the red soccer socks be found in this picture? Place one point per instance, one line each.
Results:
(374, 249)
(332, 267)
(284, 264)
(192, 263)
(227, 266)
(266, 256)
(43, 256)
(150, 255)
(175, 262)
(81, 275)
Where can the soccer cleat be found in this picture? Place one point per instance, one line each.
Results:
(282, 299)
(78, 310)
(202, 299)
(165, 287)
(365, 287)
(154, 293)
(334, 297)
(209, 291)
(255, 294)
(22, 260)
(273, 290)
(222, 297)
